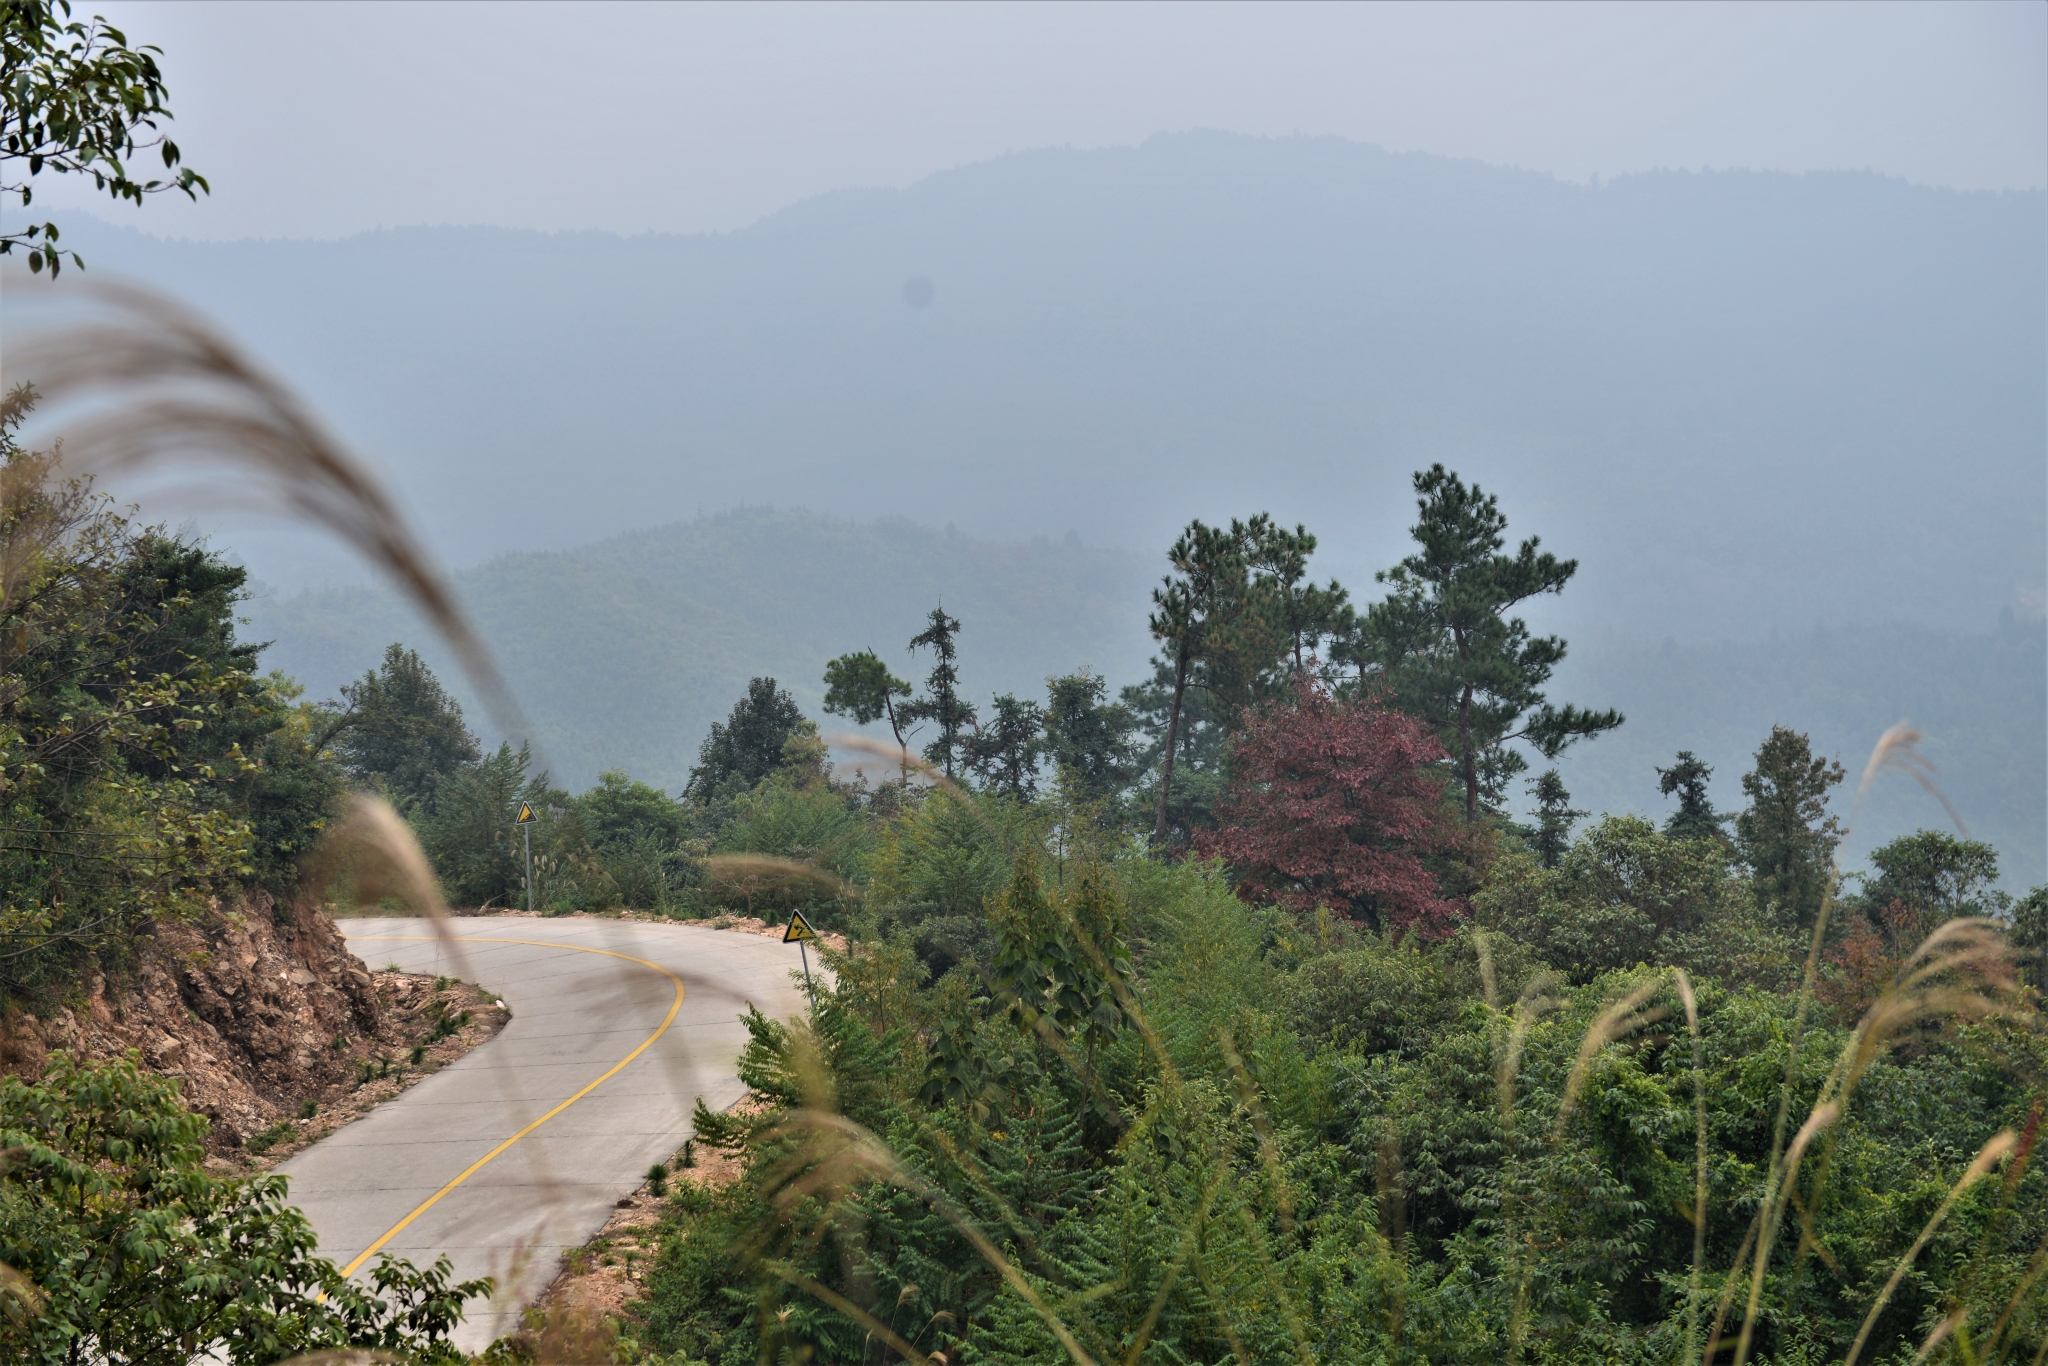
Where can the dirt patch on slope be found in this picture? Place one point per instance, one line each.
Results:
(426, 1023)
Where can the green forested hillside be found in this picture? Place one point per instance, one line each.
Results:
(1220, 1005)
(623, 654)
(1379, 1077)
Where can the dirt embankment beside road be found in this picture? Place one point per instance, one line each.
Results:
(261, 1018)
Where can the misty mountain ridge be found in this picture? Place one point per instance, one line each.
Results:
(1742, 400)
(623, 653)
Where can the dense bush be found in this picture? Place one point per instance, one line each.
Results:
(1065, 1099)
(1625, 894)
(131, 1252)
(1295, 1139)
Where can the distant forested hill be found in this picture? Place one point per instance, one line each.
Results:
(625, 652)
(1744, 400)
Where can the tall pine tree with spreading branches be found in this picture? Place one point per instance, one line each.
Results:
(1442, 647)
(1695, 818)
(1786, 834)
(1190, 607)
(1552, 833)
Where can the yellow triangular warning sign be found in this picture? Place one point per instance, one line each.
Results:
(799, 929)
(526, 816)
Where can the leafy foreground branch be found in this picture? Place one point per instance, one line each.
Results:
(119, 1247)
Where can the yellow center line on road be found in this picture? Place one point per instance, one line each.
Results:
(473, 1168)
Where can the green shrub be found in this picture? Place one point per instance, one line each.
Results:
(137, 1254)
(1625, 894)
(1379, 998)
(944, 853)
(809, 822)
(281, 1132)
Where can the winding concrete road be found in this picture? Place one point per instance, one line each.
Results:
(519, 1151)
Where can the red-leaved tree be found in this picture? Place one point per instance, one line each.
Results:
(1334, 803)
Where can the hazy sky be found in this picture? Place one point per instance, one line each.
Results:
(321, 120)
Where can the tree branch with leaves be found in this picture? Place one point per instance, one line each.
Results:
(942, 704)
(78, 101)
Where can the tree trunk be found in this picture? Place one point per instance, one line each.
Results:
(1180, 687)
(902, 750)
(1465, 748)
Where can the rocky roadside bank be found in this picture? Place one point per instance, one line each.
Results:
(271, 1027)
(426, 1023)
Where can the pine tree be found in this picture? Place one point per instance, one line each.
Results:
(1554, 817)
(1303, 613)
(1786, 835)
(1695, 818)
(747, 746)
(941, 704)
(1087, 736)
(860, 686)
(1446, 650)
(1191, 605)
(470, 837)
(1004, 753)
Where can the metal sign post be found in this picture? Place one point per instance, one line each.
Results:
(524, 821)
(800, 930)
